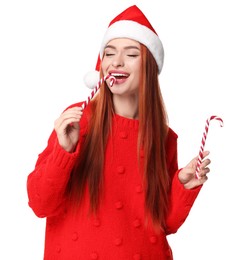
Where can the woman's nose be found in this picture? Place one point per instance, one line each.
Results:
(118, 61)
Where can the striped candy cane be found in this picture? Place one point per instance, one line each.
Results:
(200, 156)
(94, 91)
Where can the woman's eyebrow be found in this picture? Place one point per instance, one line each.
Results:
(132, 47)
(110, 46)
(126, 48)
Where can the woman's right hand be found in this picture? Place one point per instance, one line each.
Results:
(67, 128)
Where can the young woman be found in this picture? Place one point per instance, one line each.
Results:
(108, 181)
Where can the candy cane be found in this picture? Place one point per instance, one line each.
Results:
(94, 91)
(200, 156)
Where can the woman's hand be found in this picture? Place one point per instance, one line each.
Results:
(67, 128)
(187, 175)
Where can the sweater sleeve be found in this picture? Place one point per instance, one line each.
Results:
(180, 200)
(46, 184)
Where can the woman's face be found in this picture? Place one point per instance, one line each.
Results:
(122, 59)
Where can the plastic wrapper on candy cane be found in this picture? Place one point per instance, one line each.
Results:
(95, 90)
(200, 156)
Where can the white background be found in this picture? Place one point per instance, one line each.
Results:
(46, 47)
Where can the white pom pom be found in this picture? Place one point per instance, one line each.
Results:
(91, 79)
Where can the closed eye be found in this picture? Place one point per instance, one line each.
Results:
(132, 55)
(109, 54)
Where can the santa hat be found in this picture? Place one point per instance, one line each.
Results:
(132, 24)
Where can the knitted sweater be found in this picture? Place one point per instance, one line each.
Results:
(118, 230)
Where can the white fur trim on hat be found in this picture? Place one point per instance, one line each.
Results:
(136, 31)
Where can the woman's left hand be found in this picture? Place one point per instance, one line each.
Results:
(187, 175)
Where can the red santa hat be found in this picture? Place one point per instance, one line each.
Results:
(132, 24)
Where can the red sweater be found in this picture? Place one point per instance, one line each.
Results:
(118, 231)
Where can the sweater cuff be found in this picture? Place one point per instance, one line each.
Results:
(63, 159)
(185, 196)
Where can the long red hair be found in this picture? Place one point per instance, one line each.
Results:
(153, 130)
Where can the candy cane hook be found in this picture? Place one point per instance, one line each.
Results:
(200, 156)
